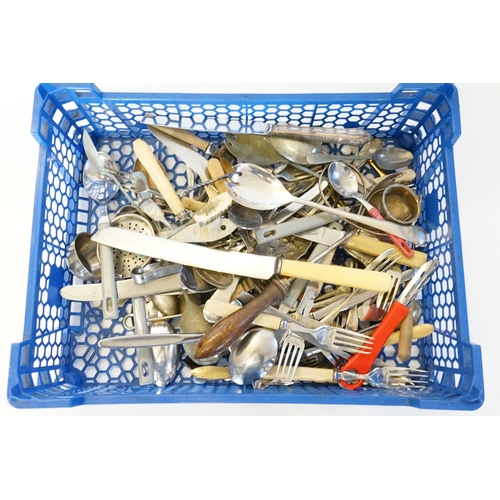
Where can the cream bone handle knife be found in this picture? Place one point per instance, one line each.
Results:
(241, 264)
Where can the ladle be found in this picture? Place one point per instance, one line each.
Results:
(256, 188)
(387, 158)
(252, 356)
(343, 179)
(101, 189)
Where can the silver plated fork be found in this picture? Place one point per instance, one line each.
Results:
(388, 377)
(382, 263)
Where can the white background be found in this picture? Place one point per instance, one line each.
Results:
(155, 47)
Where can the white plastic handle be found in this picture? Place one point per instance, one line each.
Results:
(108, 282)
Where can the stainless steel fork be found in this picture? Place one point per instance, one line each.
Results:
(292, 348)
(385, 299)
(382, 263)
(388, 377)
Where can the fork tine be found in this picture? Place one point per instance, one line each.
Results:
(353, 335)
(352, 347)
(298, 354)
(291, 354)
(411, 378)
(351, 342)
(280, 365)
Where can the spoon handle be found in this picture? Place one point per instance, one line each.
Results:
(228, 330)
(414, 234)
(339, 135)
(320, 158)
(403, 247)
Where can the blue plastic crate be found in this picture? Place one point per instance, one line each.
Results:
(58, 362)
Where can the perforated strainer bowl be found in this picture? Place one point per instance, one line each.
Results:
(125, 262)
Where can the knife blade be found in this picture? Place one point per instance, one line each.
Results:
(147, 341)
(189, 138)
(193, 160)
(127, 289)
(240, 264)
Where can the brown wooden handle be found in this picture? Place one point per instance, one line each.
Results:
(228, 330)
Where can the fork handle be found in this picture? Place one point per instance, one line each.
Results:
(403, 247)
(362, 363)
(228, 330)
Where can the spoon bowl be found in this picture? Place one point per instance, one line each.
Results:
(252, 356)
(294, 150)
(192, 281)
(387, 158)
(244, 217)
(253, 148)
(343, 180)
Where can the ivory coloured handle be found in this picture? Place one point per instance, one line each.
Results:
(339, 275)
(159, 176)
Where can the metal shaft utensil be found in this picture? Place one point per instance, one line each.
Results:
(344, 181)
(255, 187)
(101, 189)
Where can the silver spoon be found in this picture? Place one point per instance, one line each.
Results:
(252, 356)
(387, 158)
(214, 278)
(343, 179)
(244, 217)
(101, 189)
(166, 359)
(256, 188)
